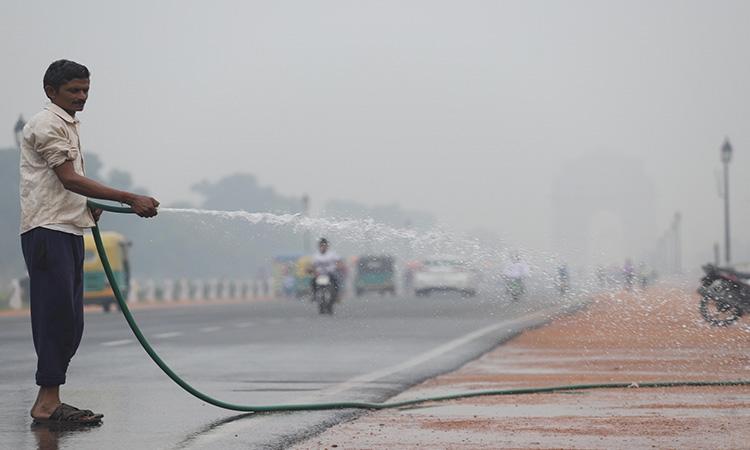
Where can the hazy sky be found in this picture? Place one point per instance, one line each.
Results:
(464, 108)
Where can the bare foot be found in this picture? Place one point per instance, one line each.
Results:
(43, 410)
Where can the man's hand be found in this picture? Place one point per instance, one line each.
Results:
(96, 213)
(143, 205)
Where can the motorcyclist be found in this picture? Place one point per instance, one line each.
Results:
(517, 268)
(563, 279)
(515, 274)
(327, 262)
(628, 273)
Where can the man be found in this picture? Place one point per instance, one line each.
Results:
(517, 269)
(563, 279)
(628, 272)
(514, 276)
(327, 262)
(54, 215)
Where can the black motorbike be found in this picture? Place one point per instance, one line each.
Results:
(515, 288)
(725, 295)
(324, 293)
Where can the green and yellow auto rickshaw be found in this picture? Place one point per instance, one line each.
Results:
(375, 273)
(303, 277)
(96, 288)
(284, 275)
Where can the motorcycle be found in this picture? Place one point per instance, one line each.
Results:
(324, 293)
(725, 295)
(515, 288)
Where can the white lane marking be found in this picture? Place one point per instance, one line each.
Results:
(171, 334)
(434, 353)
(244, 324)
(209, 329)
(116, 343)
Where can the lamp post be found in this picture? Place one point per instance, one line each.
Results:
(677, 238)
(18, 131)
(306, 213)
(726, 157)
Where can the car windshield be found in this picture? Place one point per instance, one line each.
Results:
(444, 263)
(375, 265)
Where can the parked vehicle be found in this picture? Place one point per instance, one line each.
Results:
(96, 288)
(375, 273)
(725, 295)
(445, 274)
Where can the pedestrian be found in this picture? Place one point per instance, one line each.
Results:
(628, 272)
(54, 214)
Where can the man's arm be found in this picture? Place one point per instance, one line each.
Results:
(142, 205)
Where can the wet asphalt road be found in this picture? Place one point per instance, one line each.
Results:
(253, 353)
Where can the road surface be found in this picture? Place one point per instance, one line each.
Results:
(258, 353)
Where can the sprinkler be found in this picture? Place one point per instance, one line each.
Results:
(341, 405)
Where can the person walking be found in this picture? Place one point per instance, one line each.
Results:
(54, 214)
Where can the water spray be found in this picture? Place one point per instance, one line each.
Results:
(336, 405)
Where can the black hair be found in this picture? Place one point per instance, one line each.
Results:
(323, 241)
(63, 71)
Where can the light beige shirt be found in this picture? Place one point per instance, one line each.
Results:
(51, 138)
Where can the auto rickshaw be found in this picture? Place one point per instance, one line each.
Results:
(303, 277)
(284, 275)
(375, 273)
(96, 288)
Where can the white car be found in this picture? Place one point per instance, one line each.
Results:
(445, 274)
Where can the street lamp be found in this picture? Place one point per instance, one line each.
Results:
(677, 237)
(18, 131)
(306, 213)
(726, 157)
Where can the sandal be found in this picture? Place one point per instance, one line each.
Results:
(66, 414)
(87, 411)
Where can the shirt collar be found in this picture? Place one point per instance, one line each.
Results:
(61, 112)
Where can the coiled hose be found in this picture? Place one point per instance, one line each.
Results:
(339, 405)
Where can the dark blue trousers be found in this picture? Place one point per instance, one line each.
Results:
(55, 263)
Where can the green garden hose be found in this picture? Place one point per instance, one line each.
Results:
(341, 405)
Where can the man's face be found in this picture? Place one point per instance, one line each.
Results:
(71, 96)
(323, 248)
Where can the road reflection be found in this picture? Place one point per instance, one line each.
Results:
(212, 426)
(50, 436)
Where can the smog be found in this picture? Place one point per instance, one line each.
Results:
(379, 202)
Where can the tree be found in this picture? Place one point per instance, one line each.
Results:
(11, 258)
(242, 191)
